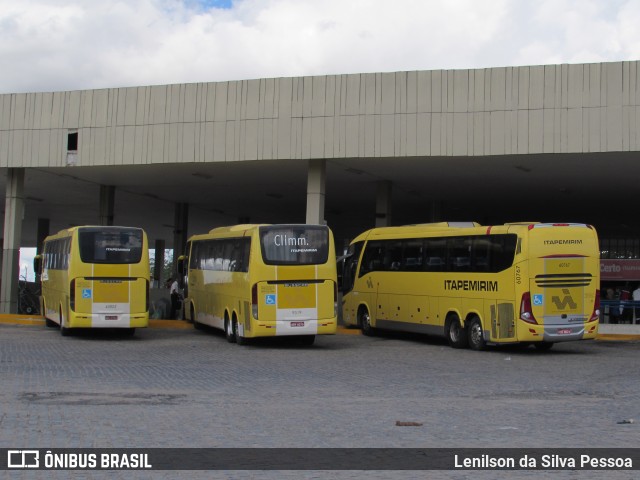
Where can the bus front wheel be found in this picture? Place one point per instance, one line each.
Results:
(476, 335)
(197, 325)
(365, 322)
(456, 336)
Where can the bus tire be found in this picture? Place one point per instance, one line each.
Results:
(476, 335)
(543, 346)
(229, 330)
(364, 321)
(47, 321)
(456, 335)
(239, 339)
(306, 340)
(197, 325)
(64, 331)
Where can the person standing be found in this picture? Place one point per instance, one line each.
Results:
(636, 304)
(175, 298)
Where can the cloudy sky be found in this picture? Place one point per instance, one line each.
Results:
(51, 45)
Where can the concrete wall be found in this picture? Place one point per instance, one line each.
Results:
(496, 111)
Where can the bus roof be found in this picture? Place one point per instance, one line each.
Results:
(70, 230)
(461, 228)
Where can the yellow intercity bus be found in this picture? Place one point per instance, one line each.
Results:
(95, 277)
(476, 286)
(262, 281)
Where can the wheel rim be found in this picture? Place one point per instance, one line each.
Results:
(476, 333)
(454, 331)
(366, 321)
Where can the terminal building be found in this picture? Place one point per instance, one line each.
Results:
(553, 143)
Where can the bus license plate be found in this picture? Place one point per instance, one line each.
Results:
(111, 317)
(297, 324)
(564, 331)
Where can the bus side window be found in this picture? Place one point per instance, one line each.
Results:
(435, 253)
(392, 255)
(372, 258)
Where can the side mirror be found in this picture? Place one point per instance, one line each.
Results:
(37, 264)
(182, 260)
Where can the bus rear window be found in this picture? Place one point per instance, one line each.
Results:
(110, 245)
(294, 245)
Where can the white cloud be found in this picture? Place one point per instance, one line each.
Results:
(64, 45)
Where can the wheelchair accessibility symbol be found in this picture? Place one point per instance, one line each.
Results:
(270, 299)
(538, 300)
(86, 293)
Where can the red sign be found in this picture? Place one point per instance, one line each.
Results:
(620, 269)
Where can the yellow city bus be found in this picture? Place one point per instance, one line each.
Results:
(476, 286)
(95, 277)
(262, 281)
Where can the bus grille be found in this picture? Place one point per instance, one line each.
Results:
(563, 280)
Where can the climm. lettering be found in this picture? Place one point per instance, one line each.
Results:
(281, 240)
(472, 285)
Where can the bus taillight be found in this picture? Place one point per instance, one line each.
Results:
(72, 295)
(254, 301)
(526, 313)
(596, 308)
(335, 299)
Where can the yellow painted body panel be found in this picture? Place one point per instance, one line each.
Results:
(558, 265)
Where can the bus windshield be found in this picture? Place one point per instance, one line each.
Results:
(110, 245)
(294, 244)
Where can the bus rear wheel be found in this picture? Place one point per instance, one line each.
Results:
(456, 335)
(364, 319)
(229, 330)
(306, 340)
(543, 346)
(239, 339)
(476, 335)
(64, 331)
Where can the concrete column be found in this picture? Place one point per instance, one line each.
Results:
(41, 233)
(435, 211)
(158, 265)
(107, 200)
(13, 213)
(180, 230)
(316, 178)
(383, 204)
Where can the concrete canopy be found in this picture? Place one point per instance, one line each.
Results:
(547, 143)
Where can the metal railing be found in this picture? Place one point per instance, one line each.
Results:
(620, 311)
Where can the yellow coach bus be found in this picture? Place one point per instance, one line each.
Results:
(532, 282)
(95, 277)
(262, 281)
